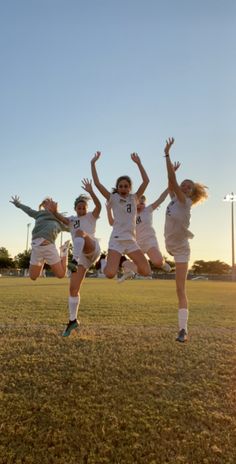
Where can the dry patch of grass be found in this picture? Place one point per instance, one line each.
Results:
(122, 390)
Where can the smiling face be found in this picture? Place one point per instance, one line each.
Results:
(141, 204)
(123, 186)
(187, 187)
(81, 208)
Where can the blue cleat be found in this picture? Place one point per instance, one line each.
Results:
(182, 336)
(72, 325)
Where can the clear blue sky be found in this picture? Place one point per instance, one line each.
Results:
(117, 76)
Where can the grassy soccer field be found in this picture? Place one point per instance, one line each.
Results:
(122, 390)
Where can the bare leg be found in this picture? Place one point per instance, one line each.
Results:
(35, 271)
(76, 281)
(181, 275)
(113, 261)
(155, 256)
(141, 262)
(181, 270)
(59, 269)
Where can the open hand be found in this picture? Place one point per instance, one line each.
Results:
(96, 157)
(15, 200)
(169, 143)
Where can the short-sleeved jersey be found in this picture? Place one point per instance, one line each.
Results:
(144, 227)
(124, 214)
(177, 221)
(87, 223)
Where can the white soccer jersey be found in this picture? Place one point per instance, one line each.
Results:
(144, 227)
(87, 223)
(177, 221)
(124, 214)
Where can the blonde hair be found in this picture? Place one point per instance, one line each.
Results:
(199, 193)
(41, 206)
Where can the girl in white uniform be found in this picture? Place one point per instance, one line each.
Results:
(86, 247)
(124, 207)
(177, 232)
(145, 232)
(145, 236)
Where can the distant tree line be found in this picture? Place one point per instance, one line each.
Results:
(21, 261)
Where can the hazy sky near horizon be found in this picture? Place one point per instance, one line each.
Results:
(118, 76)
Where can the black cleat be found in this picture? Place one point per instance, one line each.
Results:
(182, 336)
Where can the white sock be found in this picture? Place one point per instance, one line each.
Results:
(103, 264)
(78, 245)
(129, 266)
(166, 267)
(183, 318)
(64, 249)
(74, 302)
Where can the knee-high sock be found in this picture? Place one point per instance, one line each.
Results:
(78, 246)
(74, 302)
(183, 318)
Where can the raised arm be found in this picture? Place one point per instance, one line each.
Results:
(160, 200)
(52, 206)
(176, 166)
(171, 172)
(135, 158)
(87, 186)
(96, 181)
(15, 200)
(109, 214)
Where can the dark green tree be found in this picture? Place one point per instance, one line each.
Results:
(22, 260)
(6, 261)
(210, 267)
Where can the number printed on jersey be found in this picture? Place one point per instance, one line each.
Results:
(76, 224)
(128, 207)
(138, 220)
(168, 210)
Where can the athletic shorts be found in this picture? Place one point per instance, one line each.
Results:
(180, 252)
(41, 254)
(123, 247)
(86, 260)
(148, 243)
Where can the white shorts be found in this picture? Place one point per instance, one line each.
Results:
(41, 254)
(180, 252)
(86, 260)
(123, 247)
(148, 243)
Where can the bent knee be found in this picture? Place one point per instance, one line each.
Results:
(109, 274)
(60, 275)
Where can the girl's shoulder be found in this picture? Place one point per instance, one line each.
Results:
(72, 218)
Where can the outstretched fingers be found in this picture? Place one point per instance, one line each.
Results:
(96, 157)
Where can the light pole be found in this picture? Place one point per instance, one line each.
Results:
(62, 232)
(231, 197)
(27, 236)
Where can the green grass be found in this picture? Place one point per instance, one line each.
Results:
(122, 391)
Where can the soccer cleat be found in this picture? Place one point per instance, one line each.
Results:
(166, 267)
(182, 336)
(73, 266)
(64, 248)
(126, 275)
(72, 325)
